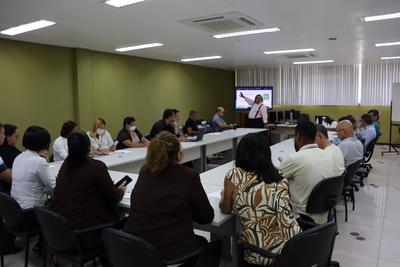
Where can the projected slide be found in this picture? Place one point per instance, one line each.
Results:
(251, 92)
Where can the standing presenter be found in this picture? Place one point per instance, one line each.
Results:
(258, 116)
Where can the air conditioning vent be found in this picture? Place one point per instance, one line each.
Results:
(225, 22)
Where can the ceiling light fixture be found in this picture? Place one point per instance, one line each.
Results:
(386, 58)
(27, 27)
(200, 58)
(387, 44)
(248, 32)
(289, 51)
(313, 62)
(122, 3)
(381, 17)
(137, 47)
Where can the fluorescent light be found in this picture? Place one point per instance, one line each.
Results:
(289, 51)
(233, 34)
(313, 62)
(381, 17)
(28, 27)
(387, 44)
(199, 58)
(137, 47)
(121, 3)
(385, 58)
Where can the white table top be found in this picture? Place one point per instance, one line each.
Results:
(284, 125)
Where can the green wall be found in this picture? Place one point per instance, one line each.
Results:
(47, 85)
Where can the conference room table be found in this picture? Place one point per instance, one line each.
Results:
(132, 159)
(285, 131)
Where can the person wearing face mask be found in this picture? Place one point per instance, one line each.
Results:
(306, 168)
(258, 115)
(130, 136)
(167, 123)
(100, 138)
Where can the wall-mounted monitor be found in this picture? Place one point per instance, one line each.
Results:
(251, 92)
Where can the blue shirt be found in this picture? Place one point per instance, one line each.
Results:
(216, 122)
(368, 134)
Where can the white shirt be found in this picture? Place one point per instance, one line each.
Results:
(338, 160)
(60, 148)
(352, 150)
(31, 180)
(304, 170)
(262, 113)
(104, 141)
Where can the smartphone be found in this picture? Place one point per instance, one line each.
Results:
(126, 179)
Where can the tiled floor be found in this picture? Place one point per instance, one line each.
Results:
(376, 218)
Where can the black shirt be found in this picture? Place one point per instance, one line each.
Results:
(159, 127)
(190, 123)
(123, 135)
(8, 154)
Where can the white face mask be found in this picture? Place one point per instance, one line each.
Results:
(132, 128)
(100, 131)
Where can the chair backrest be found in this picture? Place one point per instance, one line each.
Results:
(11, 212)
(325, 195)
(125, 250)
(369, 150)
(350, 172)
(57, 230)
(313, 247)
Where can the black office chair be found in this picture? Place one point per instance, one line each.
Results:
(65, 242)
(20, 222)
(365, 166)
(325, 196)
(312, 247)
(125, 250)
(348, 187)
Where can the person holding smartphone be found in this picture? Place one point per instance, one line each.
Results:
(85, 192)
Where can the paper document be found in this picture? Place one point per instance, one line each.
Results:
(123, 151)
(216, 194)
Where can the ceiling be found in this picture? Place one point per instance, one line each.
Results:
(93, 25)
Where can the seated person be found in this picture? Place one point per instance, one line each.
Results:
(31, 177)
(306, 168)
(177, 126)
(100, 138)
(84, 187)
(255, 191)
(367, 130)
(351, 147)
(374, 113)
(350, 118)
(8, 151)
(60, 145)
(166, 124)
(191, 127)
(323, 142)
(218, 122)
(130, 136)
(167, 199)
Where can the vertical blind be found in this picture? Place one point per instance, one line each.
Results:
(325, 85)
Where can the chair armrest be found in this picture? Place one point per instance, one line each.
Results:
(184, 258)
(267, 254)
(94, 228)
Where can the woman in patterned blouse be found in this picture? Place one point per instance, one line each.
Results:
(256, 192)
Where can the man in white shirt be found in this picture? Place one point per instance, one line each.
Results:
(306, 168)
(258, 115)
(351, 147)
(323, 142)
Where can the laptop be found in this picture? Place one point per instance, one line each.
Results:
(196, 138)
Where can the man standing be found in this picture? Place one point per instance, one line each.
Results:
(258, 115)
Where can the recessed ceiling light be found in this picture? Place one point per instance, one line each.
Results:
(387, 44)
(381, 17)
(199, 58)
(122, 3)
(289, 51)
(386, 58)
(313, 62)
(233, 34)
(27, 27)
(137, 47)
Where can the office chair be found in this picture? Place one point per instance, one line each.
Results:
(126, 250)
(348, 187)
(312, 247)
(65, 242)
(20, 222)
